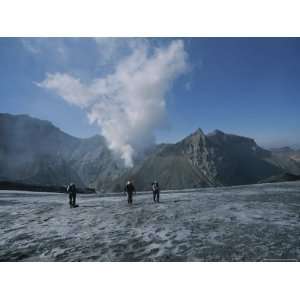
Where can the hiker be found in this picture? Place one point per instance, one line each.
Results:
(129, 189)
(71, 189)
(155, 190)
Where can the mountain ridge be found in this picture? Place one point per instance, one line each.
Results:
(200, 160)
(35, 151)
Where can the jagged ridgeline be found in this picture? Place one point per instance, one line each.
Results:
(34, 151)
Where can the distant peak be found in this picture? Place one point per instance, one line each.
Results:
(282, 149)
(196, 135)
(217, 132)
(199, 131)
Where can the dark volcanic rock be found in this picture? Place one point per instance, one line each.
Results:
(281, 178)
(19, 186)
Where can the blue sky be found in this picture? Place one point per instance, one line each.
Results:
(245, 86)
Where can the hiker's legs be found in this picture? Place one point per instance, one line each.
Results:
(70, 200)
(156, 196)
(74, 199)
(130, 198)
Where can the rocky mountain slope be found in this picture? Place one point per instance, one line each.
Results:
(33, 151)
(287, 152)
(201, 160)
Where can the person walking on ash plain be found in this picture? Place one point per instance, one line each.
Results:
(155, 190)
(71, 190)
(129, 189)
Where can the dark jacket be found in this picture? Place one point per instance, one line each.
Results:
(129, 188)
(71, 189)
(155, 187)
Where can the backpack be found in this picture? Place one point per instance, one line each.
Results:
(155, 187)
(71, 188)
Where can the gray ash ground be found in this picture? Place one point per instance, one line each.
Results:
(245, 223)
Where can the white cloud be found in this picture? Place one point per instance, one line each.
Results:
(130, 103)
(69, 88)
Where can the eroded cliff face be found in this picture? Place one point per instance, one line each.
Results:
(201, 160)
(201, 155)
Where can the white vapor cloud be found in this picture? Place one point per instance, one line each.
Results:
(129, 103)
(69, 88)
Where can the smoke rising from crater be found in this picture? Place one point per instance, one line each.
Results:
(129, 103)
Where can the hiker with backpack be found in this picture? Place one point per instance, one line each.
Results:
(155, 190)
(71, 190)
(129, 189)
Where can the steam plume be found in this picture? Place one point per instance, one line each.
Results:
(129, 103)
